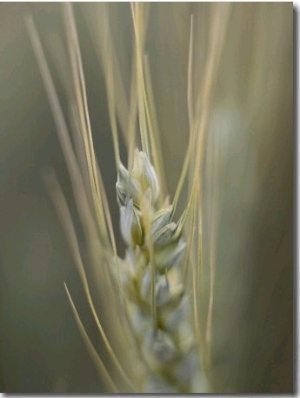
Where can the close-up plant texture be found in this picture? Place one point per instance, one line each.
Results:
(146, 198)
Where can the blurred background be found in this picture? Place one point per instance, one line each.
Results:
(250, 147)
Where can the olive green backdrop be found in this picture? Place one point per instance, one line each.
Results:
(41, 350)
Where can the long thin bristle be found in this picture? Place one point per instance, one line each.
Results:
(63, 211)
(98, 362)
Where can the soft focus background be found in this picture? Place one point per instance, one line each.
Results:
(249, 163)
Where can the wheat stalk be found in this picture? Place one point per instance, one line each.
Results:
(154, 289)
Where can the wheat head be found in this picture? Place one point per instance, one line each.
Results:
(151, 275)
(154, 290)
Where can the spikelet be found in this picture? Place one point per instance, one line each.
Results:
(151, 273)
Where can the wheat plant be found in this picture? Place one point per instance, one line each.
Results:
(158, 337)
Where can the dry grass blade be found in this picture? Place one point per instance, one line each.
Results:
(63, 134)
(66, 220)
(81, 101)
(154, 132)
(137, 15)
(192, 135)
(96, 358)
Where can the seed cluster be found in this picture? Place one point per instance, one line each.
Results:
(152, 281)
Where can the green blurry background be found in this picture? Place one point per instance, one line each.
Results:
(249, 162)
